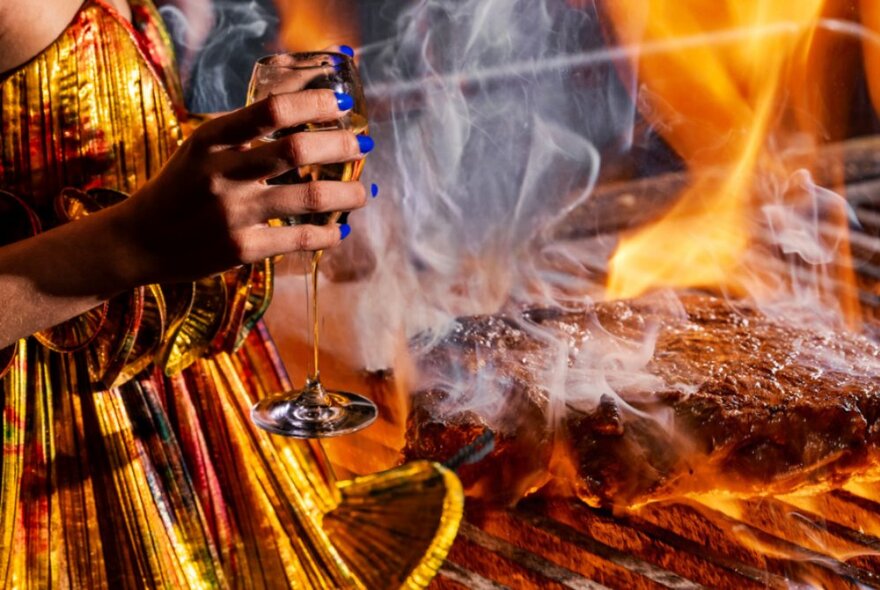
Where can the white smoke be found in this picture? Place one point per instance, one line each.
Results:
(490, 118)
(494, 120)
(217, 43)
(487, 135)
(802, 230)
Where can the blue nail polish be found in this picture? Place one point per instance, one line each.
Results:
(366, 143)
(345, 101)
(374, 190)
(344, 230)
(346, 50)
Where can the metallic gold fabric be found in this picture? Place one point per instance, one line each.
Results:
(129, 458)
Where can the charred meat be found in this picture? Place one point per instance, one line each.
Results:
(644, 401)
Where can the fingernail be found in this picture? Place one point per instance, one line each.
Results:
(374, 190)
(366, 143)
(344, 230)
(346, 50)
(344, 101)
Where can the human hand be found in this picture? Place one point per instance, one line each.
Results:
(209, 207)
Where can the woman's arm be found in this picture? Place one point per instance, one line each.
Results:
(206, 211)
(60, 274)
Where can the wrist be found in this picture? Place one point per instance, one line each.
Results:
(124, 259)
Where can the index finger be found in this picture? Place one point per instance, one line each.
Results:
(277, 111)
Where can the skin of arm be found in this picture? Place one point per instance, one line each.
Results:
(43, 279)
(60, 274)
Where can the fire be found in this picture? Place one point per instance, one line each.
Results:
(317, 24)
(870, 15)
(733, 106)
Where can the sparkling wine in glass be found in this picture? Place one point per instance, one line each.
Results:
(313, 411)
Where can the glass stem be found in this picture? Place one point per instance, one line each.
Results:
(314, 393)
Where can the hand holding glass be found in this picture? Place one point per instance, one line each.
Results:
(314, 412)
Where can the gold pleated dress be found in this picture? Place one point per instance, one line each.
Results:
(129, 459)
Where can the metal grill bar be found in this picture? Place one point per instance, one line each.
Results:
(466, 578)
(663, 545)
(666, 578)
(799, 552)
(549, 570)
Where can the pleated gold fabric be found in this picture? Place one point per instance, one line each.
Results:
(129, 459)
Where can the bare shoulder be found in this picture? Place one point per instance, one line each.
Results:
(28, 27)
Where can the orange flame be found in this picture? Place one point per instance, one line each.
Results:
(869, 11)
(730, 104)
(311, 25)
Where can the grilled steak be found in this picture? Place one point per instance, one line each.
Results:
(727, 399)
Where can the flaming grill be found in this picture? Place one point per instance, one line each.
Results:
(828, 540)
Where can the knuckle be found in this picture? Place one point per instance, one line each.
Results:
(204, 135)
(274, 110)
(297, 149)
(314, 197)
(197, 141)
(216, 184)
(194, 155)
(306, 239)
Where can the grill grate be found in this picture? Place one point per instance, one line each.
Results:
(564, 544)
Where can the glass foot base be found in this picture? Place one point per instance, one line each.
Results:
(294, 414)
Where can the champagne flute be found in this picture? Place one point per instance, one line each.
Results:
(313, 411)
